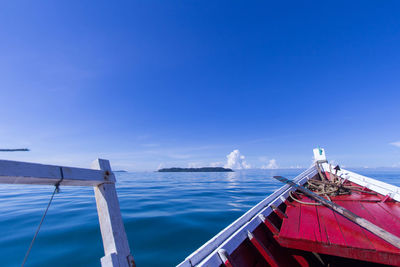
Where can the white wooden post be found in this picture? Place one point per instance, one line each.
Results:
(115, 241)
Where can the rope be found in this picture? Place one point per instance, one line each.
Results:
(302, 202)
(328, 188)
(56, 190)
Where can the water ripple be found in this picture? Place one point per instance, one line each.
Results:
(167, 216)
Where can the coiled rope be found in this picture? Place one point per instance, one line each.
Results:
(327, 188)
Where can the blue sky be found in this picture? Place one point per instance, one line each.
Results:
(184, 83)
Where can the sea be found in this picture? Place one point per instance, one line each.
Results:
(167, 216)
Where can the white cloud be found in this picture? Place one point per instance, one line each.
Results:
(216, 164)
(296, 167)
(271, 165)
(161, 165)
(236, 161)
(396, 144)
(396, 165)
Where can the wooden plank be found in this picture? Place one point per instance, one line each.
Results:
(382, 257)
(381, 219)
(278, 212)
(115, 241)
(291, 226)
(319, 171)
(267, 255)
(354, 235)
(329, 227)
(274, 230)
(309, 225)
(393, 208)
(358, 196)
(15, 172)
(388, 237)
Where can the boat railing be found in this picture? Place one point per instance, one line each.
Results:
(230, 237)
(380, 187)
(101, 177)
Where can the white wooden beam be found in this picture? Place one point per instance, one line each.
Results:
(15, 172)
(115, 241)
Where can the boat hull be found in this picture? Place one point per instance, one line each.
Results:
(281, 232)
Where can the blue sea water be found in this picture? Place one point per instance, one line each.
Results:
(167, 215)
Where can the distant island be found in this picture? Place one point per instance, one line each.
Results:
(203, 169)
(120, 171)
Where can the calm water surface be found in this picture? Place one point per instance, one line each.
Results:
(167, 215)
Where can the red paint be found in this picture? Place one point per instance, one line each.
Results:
(308, 221)
(386, 198)
(264, 252)
(283, 256)
(312, 228)
(342, 251)
(319, 229)
(301, 260)
(280, 213)
(294, 218)
(271, 226)
(327, 175)
(224, 256)
(228, 264)
(374, 213)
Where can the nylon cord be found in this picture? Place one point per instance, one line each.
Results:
(56, 190)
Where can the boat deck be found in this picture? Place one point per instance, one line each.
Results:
(318, 229)
(290, 229)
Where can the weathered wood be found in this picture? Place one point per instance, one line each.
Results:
(116, 247)
(388, 237)
(319, 171)
(15, 172)
(115, 241)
